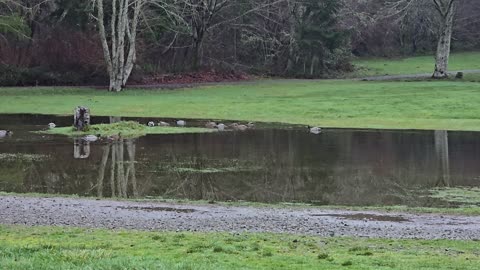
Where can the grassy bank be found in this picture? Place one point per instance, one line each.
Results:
(68, 248)
(451, 105)
(413, 65)
(127, 129)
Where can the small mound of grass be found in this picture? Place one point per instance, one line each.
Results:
(127, 129)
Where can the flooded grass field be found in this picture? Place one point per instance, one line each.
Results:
(271, 163)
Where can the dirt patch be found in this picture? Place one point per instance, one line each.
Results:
(207, 76)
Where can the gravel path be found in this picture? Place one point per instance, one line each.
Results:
(214, 218)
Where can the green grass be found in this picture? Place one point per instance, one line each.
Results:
(413, 65)
(450, 105)
(126, 128)
(70, 248)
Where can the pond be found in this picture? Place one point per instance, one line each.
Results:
(271, 163)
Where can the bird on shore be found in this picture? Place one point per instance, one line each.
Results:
(314, 130)
(5, 133)
(211, 125)
(181, 123)
(251, 125)
(221, 127)
(163, 124)
(52, 125)
(240, 127)
(151, 124)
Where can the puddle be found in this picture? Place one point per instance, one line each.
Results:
(159, 209)
(366, 217)
(270, 163)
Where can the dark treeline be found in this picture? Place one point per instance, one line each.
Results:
(58, 41)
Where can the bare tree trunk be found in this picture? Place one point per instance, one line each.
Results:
(447, 9)
(293, 43)
(120, 49)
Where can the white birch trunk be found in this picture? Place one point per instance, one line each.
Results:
(119, 46)
(447, 9)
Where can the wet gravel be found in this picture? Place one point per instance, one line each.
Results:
(215, 218)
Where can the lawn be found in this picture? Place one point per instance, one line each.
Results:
(413, 65)
(449, 105)
(70, 248)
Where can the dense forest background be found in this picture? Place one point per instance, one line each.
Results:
(57, 42)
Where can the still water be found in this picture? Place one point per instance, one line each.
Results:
(268, 164)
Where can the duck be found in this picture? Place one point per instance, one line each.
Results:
(251, 125)
(115, 137)
(314, 130)
(181, 123)
(151, 124)
(163, 124)
(52, 125)
(5, 133)
(221, 127)
(233, 125)
(240, 127)
(91, 138)
(211, 125)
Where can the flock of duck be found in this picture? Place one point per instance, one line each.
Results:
(211, 125)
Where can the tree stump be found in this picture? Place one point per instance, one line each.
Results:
(81, 118)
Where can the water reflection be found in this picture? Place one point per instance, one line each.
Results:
(81, 149)
(122, 174)
(268, 165)
(441, 149)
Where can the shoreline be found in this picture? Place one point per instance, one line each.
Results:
(149, 216)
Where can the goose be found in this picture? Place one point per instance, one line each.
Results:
(151, 124)
(5, 133)
(52, 125)
(314, 130)
(211, 125)
(181, 123)
(250, 125)
(91, 138)
(241, 127)
(163, 124)
(221, 127)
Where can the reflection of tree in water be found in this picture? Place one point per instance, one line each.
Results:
(122, 173)
(442, 155)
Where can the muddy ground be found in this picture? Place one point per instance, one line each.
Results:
(92, 213)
